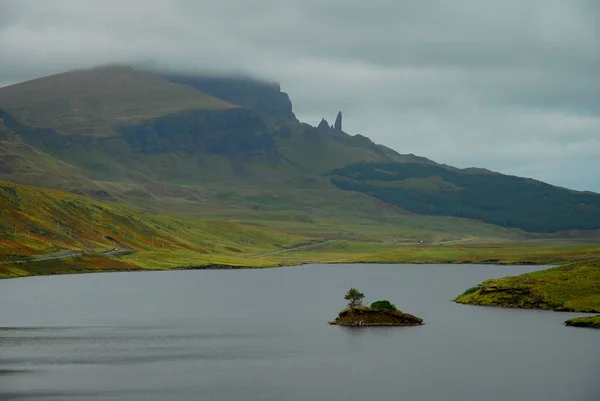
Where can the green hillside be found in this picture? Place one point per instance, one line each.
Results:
(95, 101)
(38, 224)
(473, 193)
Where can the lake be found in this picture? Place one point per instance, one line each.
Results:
(263, 335)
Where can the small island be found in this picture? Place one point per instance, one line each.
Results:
(380, 313)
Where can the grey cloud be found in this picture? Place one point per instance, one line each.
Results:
(510, 85)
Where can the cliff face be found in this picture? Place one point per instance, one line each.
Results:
(154, 147)
(265, 97)
(225, 132)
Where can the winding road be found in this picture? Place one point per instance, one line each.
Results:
(71, 254)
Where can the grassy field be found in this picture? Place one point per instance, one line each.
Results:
(451, 252)
(167, 259)
(573, 287)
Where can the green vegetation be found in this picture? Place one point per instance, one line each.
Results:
(384, 304)
(455, 252)
(354, 298)
(592, 322)
(473, 193)
(573, 287)
(165, 259)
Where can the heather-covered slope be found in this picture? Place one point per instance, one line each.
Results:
(36, 221)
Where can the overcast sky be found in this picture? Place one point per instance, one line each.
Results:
(510, 85)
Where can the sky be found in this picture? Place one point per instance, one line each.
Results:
(508, 85)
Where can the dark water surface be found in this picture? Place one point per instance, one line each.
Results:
(262, 335)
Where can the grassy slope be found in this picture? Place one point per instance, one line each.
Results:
(30, 166)
(314, 207)
(317, 151)
(37, 221)
(120, 94)
(571, 287)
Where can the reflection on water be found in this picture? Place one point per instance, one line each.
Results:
(263, 335)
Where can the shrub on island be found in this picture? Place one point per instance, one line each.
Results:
(384, 304)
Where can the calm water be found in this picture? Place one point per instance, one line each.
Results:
(262, 335)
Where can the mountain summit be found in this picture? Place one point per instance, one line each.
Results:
(94, 102)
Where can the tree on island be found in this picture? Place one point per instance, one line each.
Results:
(380, 313)
(354, 298)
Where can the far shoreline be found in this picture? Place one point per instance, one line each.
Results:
(224, 267)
